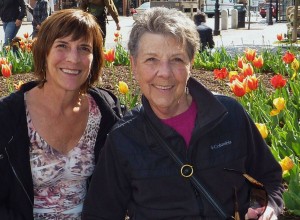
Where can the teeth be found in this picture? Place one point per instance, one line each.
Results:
(68, 71)
(163, 87)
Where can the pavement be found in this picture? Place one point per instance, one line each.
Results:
(259, 35)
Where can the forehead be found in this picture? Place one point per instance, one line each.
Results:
(159, 43)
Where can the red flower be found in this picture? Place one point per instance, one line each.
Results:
(250, 54)
(6, 70)
(220, 74)
(279, 37)
(288, 57)
(258, 62)
(117, 34)
(238, 77)
(252, 82)
(247, 70)
(26, 35)
(240, 62)
(109, 55)
(278, 81)
(238, 88)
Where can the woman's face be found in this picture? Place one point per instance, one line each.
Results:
(69, 63)
(162, 68)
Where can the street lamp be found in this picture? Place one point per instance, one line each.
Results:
(217, 18)
(270, 22)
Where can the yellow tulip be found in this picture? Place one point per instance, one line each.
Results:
(295, 65)
(123, 88)
(274, 112)
(286, 164)
(279, 103)
(262, 129)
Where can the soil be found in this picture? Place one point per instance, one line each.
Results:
(110, 79)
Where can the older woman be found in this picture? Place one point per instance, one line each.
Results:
(138, 175)
(53, 129)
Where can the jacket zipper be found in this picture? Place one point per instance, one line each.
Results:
(16, 175)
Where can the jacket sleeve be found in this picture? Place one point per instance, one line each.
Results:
(263, 166)
(109, 190)
(23, 9)
(112, 10)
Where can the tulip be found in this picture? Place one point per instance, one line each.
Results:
(238, 88)
(252, 82)
(279, 103)
(274, 112)
(295, 65)
(286, 164)
(262, 129)
(279, 37)
(220, 74)
(3, 60)
(250, 54)
(238, 77)
(6, 70)
(26, 35)
(240, 62)
(109, 55)
(117, 34)
(123, 88)
(288, 57)
(258, 62)
(278, 81)
(247, 70)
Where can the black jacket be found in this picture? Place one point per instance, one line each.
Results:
(206, 37)
(134, 172)
(16, 187)
(11, 10)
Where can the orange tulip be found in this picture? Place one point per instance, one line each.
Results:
(117, 34)
(6, 70)
(278, 81)
(258, 62)
(286, 164)
(123, 87)
(252, 82)
(250, 54)
(3, 60)
(247, 70)
(238, 77)
(238, 88)
(220, 73)
(109, 55)
(288, 57)
(279, 37)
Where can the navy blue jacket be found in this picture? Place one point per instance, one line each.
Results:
(11, 10)
(135, 173)
(16, 186)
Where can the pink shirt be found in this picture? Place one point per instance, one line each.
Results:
(184, 123)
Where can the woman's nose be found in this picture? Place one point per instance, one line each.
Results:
(73, 56)
(165, 69)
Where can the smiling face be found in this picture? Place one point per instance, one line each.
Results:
(69, 63)
(162, 68)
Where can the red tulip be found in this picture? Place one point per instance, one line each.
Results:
(252, 82)
(3, 60)
(247, 70)
(238, 77)
(117, 34)
(278, 81)
(288, 57)
(238, 88)
(240, 62)
(220, 74)
(279, 37)
(6, 70)
(250, 54)
(109, 55)
(258, 62)
(26, 35)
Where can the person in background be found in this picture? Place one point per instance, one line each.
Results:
(99, 9)
(52, 129)
(212, 134)
(205, 32)
(12, 13)
(39, 13)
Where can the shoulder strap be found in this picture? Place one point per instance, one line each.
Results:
(186, 170)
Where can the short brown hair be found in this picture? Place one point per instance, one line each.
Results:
(68, 22)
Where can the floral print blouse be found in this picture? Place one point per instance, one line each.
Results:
(60, 180)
